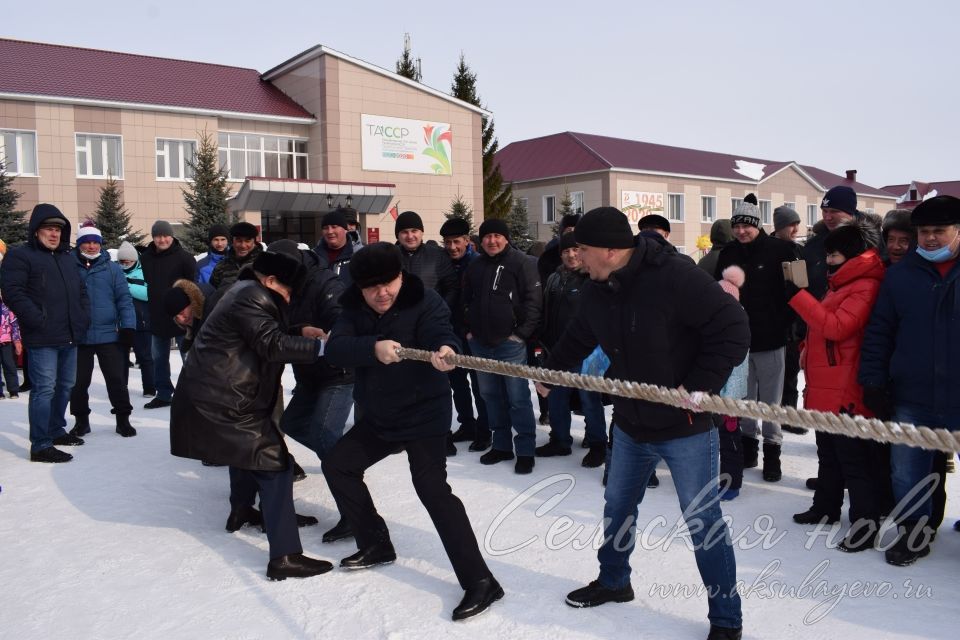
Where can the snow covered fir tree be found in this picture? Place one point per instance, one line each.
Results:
(112, 218)
(13, 223)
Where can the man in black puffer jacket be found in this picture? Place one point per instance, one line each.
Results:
(428, 262)
(661, 320)
(406, 406)
(243, 250)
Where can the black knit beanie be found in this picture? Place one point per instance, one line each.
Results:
(217, 231)
(605, 227)
(335, 218)
(495, 225)
(407, 220)
(568, 240)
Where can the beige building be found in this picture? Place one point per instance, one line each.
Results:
(318, 130)
(690, 188)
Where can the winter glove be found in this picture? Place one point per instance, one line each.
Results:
(126, 338)
(790, 289)
(878, 400)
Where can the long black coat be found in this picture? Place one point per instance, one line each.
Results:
(223, 407)
(661, 320)
(408, 399)
(161, 269)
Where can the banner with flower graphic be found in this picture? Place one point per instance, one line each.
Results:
(409, 146)
(637, 204)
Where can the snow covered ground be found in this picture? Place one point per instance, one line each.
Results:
(128, 541)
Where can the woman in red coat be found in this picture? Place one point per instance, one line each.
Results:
(830, 356)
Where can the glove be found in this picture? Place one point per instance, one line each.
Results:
(126, 338)
(790, 289)
(879, 401)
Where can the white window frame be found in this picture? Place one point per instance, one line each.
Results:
(768, 218)
(263, 151)
(573, 201)
(713, 208)
(681, 249)
(813, 216)
(88, 150)
(734, 203)
(792, 205)
(166, 158)
(683, 206)
(14, 169)
(553, 218)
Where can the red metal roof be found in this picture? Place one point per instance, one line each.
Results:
(569, 153)
(91, 74)
(945, 188)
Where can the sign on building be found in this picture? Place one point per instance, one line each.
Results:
(409, 146)
(636, 204)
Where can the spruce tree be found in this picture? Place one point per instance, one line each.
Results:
(519, 226)
(13, 223)
(406, 66)
(497, 199)
(205, 196)
(566, 208)
(460, 209)
(112, 217)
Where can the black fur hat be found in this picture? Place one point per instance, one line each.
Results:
(898, 220)
(375, 264)
(852, 239)
(281, 266)
(937, 211)
(243, 230)
(653, 221)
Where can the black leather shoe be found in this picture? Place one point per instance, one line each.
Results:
(724, 633)
(298, 472)
(524, 465)
(375, 554)
(82, 427)
(340, 531)
(68, 440)
(495, 455)
(480, 444)
(464, 434)
(551, 449)
(296, 565)
(157, 403)
(861, 540)
(811, 484)
(595, 457)
(814, 517)
(595, 594)
(478, 598)
(124, 428)
(243, 516)
(50, 454)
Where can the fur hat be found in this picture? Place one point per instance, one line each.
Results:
(937, 211)
(243, 230)
(127, 252)
(569, 220)
(852, 238)
(746, 213)
(375, 264)
(335, 218)
(161, 228)
(455, 227)
(898, 220)
(605, 227)
(732, 279)
(653, 221)
(407, 220)
(784, 216)
(281, 266)
(287, 247)
(495, 225)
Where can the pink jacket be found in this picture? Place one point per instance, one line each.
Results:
(9, 327)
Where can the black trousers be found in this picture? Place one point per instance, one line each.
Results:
(8, 360)
(791, 372)
(857, 465)
(360, 449)
(113, 364)
(143, 352)
(276, 505)
(461, 381)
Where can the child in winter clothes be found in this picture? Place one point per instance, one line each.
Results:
(10, 345)
(728, 427)
(829, 357)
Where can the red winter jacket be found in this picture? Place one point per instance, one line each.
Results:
(830, 355)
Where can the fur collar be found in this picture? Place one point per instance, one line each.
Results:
(195, 294)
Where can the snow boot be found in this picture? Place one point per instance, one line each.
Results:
(466, 433)
(724, 633)
(68, 440)
(478, 598)
(495, 455)
(451, 448)
(296, 565)
(551, 449)
(861, 536)
(124, 428)
(524, 465)
(595, 457)
(82, 427)
(811, 484)
(771, 462)
(913, 544)
(727, 495)
(50, 454)
(751, 448)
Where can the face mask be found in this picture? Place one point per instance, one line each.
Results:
(90, 256)
(833, 268)
(940, 255)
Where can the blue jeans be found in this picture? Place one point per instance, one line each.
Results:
(559, 407)
(160, 350)
(911, 466)
(316, 416)
(694, 464)
(507, 399)
(53, 372)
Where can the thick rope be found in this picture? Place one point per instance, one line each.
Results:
(847, 425)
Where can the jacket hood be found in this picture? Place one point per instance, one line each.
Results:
(721, 233)
(866, 265)
(45, 212)
(194, 294)
(647, 250)
(411, 293)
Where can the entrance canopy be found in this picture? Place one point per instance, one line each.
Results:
(314, 196)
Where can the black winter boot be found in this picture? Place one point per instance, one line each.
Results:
(751, 448)
(724, 633)
(595, 457)
(771, 462)
(82, 427)
(124, 428)
(913, 544)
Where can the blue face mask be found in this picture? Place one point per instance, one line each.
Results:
(940, 255)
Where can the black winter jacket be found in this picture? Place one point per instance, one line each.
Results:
(502, 296)
(227, 270)
(433, 266)
(763, 294)
(340, 266)
(44, 290)
(409, 399)
(815, 255)
(661, 320)
(561, 301)
(223, 407)
(161, 269)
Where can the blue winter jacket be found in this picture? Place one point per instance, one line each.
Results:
(111, 305)
(44, 290)
(912, 342)
(206, 265)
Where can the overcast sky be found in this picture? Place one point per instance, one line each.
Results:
(837, 84)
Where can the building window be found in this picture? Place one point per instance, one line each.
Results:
(708, 208)
(549, 209)
(243, 154)
(577, 199)
(173, 158)
(681, 249)
(18, 152)
(765, 212)
(99, 156)
(675, 206)
(792, 205)
(812, 215)
(734, 203)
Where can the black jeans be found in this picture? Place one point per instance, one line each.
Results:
(144, 354)
(360, 449)
(461, 381)
(8, 360)
(113, 364)
(276, 505)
